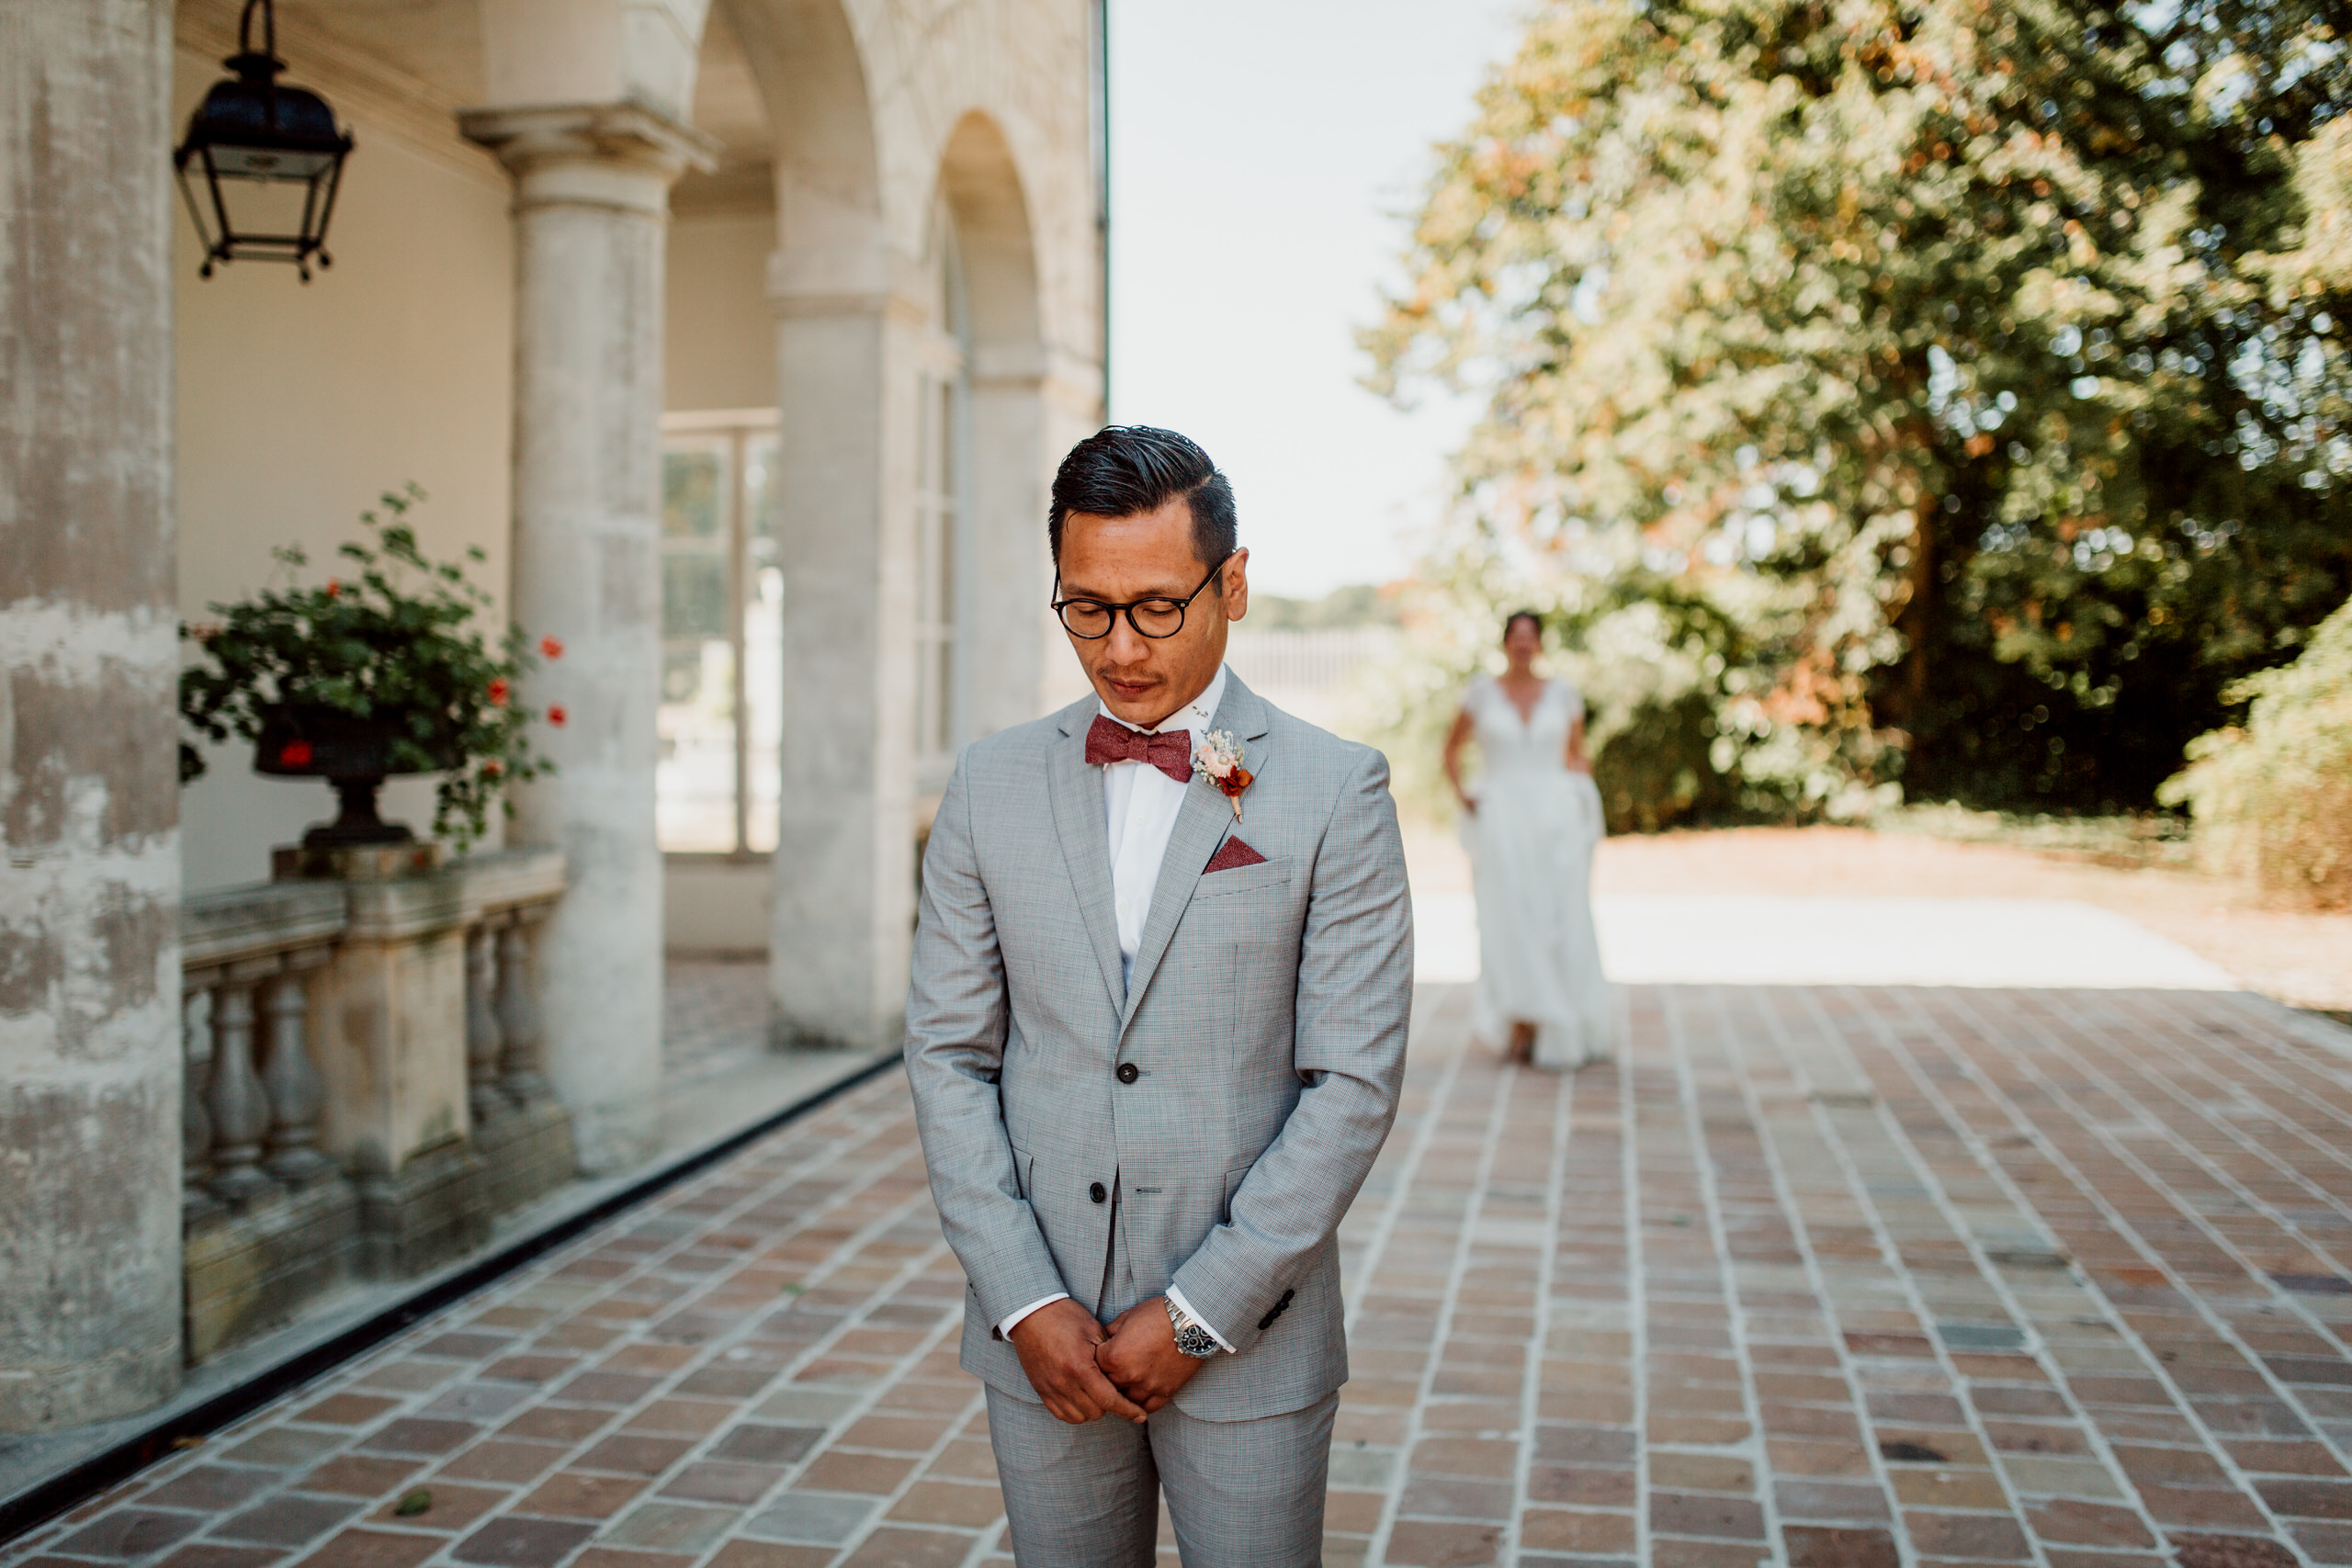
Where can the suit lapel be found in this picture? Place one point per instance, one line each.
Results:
(1079, 823)
(1200, 827)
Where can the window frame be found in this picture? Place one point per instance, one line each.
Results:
(737, 428)
(943, 500)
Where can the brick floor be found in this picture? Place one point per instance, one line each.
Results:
(711, 1010)
(1831, 1278)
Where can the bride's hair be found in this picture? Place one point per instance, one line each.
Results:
(1529, 616)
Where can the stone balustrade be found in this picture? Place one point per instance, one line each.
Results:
(365, 1086)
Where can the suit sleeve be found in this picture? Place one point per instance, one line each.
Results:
(958, 1017)
(1355, 994)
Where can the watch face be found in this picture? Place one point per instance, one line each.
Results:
(1195, 1340)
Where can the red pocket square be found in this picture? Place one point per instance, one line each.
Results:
(1232, 856)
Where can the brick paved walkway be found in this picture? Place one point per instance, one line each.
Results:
(1833, 1278)
(712, 1011)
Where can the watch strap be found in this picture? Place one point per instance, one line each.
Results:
(1191, 1338)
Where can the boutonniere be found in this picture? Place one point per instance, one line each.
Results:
(1218, 756)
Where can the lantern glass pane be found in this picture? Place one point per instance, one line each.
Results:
(269, 162)
(265, 210)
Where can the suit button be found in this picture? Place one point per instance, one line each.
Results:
(1286, 1296)
(1265, 1323)
(1128, 1073)
(1097, 1192)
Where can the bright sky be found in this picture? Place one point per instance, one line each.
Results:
(1265, 157)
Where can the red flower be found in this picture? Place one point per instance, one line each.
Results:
(294, 754)
(334, 587)
(555, 713)
(492, 768)
(551, 647)
(498, 690)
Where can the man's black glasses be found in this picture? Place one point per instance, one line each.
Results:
(1155, 617)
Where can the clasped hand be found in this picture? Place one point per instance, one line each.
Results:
(1082, 1370)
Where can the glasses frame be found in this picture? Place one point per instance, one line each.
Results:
(1183, 605)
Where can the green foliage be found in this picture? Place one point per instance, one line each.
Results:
(2131, 842)
(1357, 604)
(390, 641)
(2273, 800)
(1967, 378)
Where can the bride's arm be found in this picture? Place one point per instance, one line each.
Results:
(1454, 743)
(1578, 761)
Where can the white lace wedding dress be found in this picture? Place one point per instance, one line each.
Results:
(1531, 844)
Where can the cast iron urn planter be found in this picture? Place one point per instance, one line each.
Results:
(356, 755)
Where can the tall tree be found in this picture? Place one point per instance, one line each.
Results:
(1958, 386)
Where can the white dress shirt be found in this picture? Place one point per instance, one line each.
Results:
(1140, 803)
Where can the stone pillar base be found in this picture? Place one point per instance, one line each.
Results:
(434, 1209)
(257, 1267)
(527, 1153)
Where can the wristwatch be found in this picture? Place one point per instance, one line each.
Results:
(1190, 1337)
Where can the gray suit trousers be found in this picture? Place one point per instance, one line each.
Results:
(1241, 1493)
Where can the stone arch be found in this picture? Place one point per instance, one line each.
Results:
(830, 232)
(981, 190)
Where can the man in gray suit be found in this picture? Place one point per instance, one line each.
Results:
(1155, 1034)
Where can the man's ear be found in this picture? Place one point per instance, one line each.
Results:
(1236, 585)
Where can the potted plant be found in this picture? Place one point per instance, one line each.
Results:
(377, 672)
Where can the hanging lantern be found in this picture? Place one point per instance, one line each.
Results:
(269, 158)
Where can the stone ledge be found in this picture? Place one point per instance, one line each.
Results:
(258, 920)
(255, 919)
(508, 878)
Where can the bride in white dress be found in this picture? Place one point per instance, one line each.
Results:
(1531, 830)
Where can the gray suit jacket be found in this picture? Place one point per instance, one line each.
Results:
(1265, 1028)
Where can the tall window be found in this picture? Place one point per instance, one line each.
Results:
(942, 481)
(721, 715)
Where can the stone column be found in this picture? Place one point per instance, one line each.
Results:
(592, 194)
(90, 1054)
(1009, 634)
(844, 858)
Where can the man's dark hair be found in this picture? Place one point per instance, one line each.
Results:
(1121, 469)
(1517, 616)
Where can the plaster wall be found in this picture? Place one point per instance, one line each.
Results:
(299, 405)
(716, 908)
(720, 349)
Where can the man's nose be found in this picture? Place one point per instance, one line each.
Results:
(1126, 645)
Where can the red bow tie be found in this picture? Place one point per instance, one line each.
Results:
(1169, 752)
